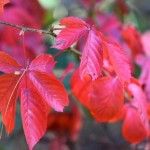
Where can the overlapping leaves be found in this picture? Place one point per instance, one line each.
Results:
(92, 56)
(38, 90)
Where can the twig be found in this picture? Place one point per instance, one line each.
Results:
(50, 32)
(24, 29)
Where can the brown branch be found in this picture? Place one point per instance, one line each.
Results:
(49, 32)
(24, 29)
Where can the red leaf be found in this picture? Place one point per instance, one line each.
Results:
(34, 116)
(133, 39)
(119, 61)
(75, 29)
(8, 90)
(140, 102)
(80, 88)
(2, 3)
(43, 63)
(133, 129)
(145, 43)
(48, 87)
(8, 118)
(34, 100)
(92, 57)
(106, 98)
(8, 64)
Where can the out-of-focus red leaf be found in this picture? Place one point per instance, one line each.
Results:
(77, 122)
(8, 64)
(59, 122)
(34, 116)
(43, 63)
(92, 57)
(133, 39)
(66, 123)
(2, 3)
(33, 8)
(133, 129)
(109, 24)
(145, 38)
(80, 88)
(48, 87)
(106, 98)
(119, 61)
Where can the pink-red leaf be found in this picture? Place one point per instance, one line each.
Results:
(34, 116)
(133, 39)
(119, 61)
(92, 57)
(133, 129)
(75, 29)
(43, 63)
(145, 43)
(8, 64)
(50, 89)
(106, 98)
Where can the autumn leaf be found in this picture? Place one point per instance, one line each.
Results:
(80, 88)
(138, 108)
(105, 98)
(92, 57)
(93, 47)
(34, 116)
(119, 61)
(140, 102)
(38, 89)
(75, 29)
(132, 38)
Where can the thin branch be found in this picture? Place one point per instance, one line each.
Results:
(74, 51)
(24, 29)
(50, 32)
